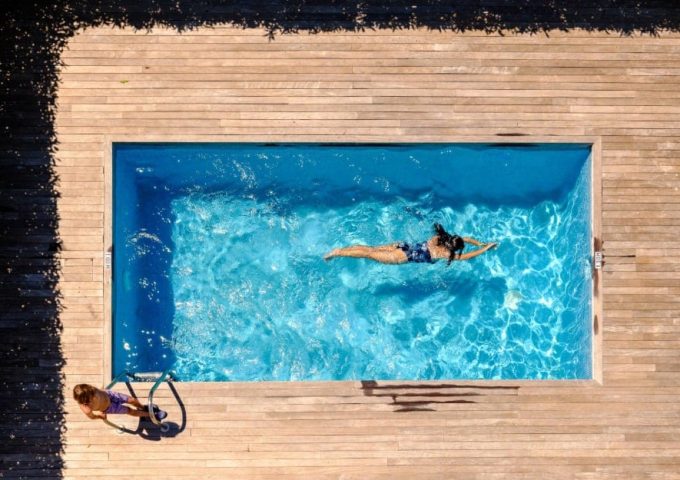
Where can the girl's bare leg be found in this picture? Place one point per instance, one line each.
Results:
(383, 253)
(137, 413)
(140, 412)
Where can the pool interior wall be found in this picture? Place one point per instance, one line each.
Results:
(218, 268)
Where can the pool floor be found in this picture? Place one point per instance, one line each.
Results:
(218, 268)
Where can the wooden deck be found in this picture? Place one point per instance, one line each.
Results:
(227, 84)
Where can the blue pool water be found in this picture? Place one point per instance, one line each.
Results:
(218, 266)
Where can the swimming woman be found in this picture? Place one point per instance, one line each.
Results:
(441, 246)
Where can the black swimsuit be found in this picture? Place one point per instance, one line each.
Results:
(416, 253)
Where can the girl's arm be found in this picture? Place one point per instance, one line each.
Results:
(90, 414)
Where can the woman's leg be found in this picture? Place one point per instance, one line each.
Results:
(382, 253)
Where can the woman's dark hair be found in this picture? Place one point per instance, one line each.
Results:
(453, 243)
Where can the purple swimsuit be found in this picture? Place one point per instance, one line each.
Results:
(116, 402)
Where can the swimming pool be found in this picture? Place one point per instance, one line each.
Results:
(218, 269)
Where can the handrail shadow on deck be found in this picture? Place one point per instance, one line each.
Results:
(423, 396)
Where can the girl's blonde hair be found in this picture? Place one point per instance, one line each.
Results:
(84, 393)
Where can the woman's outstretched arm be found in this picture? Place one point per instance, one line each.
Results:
(474, 242)
(479, 251)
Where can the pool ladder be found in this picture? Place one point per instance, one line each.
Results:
(166, 375)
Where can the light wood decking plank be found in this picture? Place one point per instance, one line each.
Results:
(224, 84)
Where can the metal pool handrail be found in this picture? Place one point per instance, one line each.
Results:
(166, 375)
(118, 378)
(158, 377)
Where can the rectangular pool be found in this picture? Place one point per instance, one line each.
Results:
(218, 268)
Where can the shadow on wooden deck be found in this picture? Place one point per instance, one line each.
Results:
(33, 35)
(424, 397)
